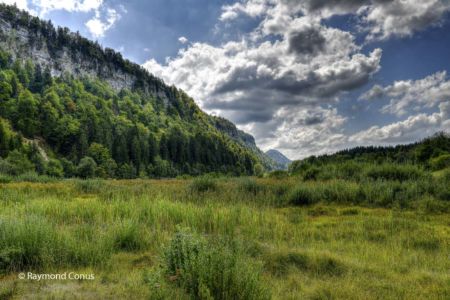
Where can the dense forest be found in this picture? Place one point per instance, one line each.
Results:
(88, 130)
(432, 153)
(78, 125)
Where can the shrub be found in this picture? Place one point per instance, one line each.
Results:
(278, 174)
(431, 205)
(341, 192)
(68, 167)
(54, 168)
(394, 172)
(212, 271)
(5, 178)
(349, 170)
(258, 170)
(34, 177)
(251, 186)
(86, 168)
(16, 163)
(303, 195)
(311, 174)
(440, 162)
(203, 184)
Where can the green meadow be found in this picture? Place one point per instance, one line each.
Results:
(279, 237)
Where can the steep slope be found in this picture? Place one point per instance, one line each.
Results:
(245, 139)
(99, 114)
(282, 161)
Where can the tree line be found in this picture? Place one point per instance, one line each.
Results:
(87, 129)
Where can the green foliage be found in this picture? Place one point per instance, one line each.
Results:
(68, 167)
(394, 172)
(279, 263)
(128, 236)
(34, 177)
(127, 134)
(249, 185)
(90, 186)
(16, 163)
(55, 168)
(418, 153)
(303, 195)
(86, 168)
(311, 173)
(258, 170)
(212, 271)
(33, 243)
(203, 184)
(278, 174)
(440, 162)
(124, 132)
(242, 241)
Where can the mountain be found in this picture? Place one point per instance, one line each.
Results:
(281, 160)
(246, 140)
(69, 107)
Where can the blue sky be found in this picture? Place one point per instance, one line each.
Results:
(303, 76)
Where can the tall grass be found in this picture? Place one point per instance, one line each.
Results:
(287, 238)
(211, 271)
(32, 243)
(203, 184)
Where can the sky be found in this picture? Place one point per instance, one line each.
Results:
(305, 77)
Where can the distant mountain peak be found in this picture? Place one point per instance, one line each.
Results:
(279, 158)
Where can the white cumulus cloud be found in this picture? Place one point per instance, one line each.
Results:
(412, 95)
(98, 25)
(183, 40)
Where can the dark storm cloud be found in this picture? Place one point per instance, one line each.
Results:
(307, 42)
(340, 5)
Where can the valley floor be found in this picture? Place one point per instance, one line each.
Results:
(119, 230)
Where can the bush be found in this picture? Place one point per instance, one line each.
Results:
(86, 168)
(349, 170)
(5, 178)
(55, 168)
(34, 177)
(311, 174)
(203, 184)
(443, 187)
(394, 172)
(341, 192)
(258, 170)
(440, 162)
(212, 271)
(251, 186)
(15, 164)
(431, 205)
(278, 174)
(68, 167)
(303, 195)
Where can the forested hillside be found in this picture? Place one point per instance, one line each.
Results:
(432, 153)
(79, 110)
